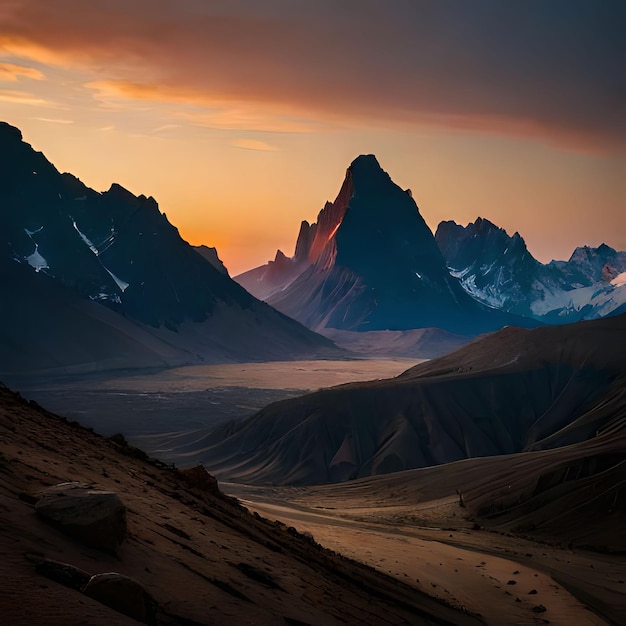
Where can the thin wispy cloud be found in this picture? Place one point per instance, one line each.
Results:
(240, 117)
(22, 97)
(254, 144)
(164, 127)
(53, 120)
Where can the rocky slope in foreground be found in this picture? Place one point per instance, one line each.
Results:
(195, 557)
(514, 390)
(103, 280)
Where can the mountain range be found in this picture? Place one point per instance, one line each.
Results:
(498, 270)
(103, 280)
(370, 262)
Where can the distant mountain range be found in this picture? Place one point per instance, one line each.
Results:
(370, 262)
(102, 280)
(94, 280)
(499, 271)
(512, 391)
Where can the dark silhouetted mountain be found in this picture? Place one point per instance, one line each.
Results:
(498, 270)
(370, 262)
(117, 250)
(210, 254)
(514, 390)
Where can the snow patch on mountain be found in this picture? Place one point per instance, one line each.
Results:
(84, 238)
(109, 297)
(619, 280)
(37, 261)
(591, 302)
(122, 284)
(491, 295)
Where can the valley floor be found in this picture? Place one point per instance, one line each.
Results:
(426, 542)
(433, 546)
(173, 409)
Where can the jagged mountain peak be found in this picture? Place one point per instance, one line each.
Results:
(453, 239)
(118, 191)
(480, 243)
(62, 241)
(10, 132)
(366, 169)
(584, 266)
(366, 160)
(370, 262)
(585, 253)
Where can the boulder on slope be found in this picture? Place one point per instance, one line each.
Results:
(93, 517)
(123, 594)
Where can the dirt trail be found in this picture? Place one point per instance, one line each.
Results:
(499, 587)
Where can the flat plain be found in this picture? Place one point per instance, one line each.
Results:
(173, 409)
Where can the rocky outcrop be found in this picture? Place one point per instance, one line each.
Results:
(199, 478)
(93, 517)
(210, 254)
(123, 594)
(62, 573)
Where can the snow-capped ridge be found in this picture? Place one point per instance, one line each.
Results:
(498, 270)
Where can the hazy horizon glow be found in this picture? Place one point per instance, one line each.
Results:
(241, 117)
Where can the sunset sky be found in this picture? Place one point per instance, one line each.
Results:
(240, 116)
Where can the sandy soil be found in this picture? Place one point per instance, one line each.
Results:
(204, 559)
(302, 375)
(433, 546)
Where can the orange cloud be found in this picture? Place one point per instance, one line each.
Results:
(211, 111)
(21, 97)
(11, 72)
(488, 67)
